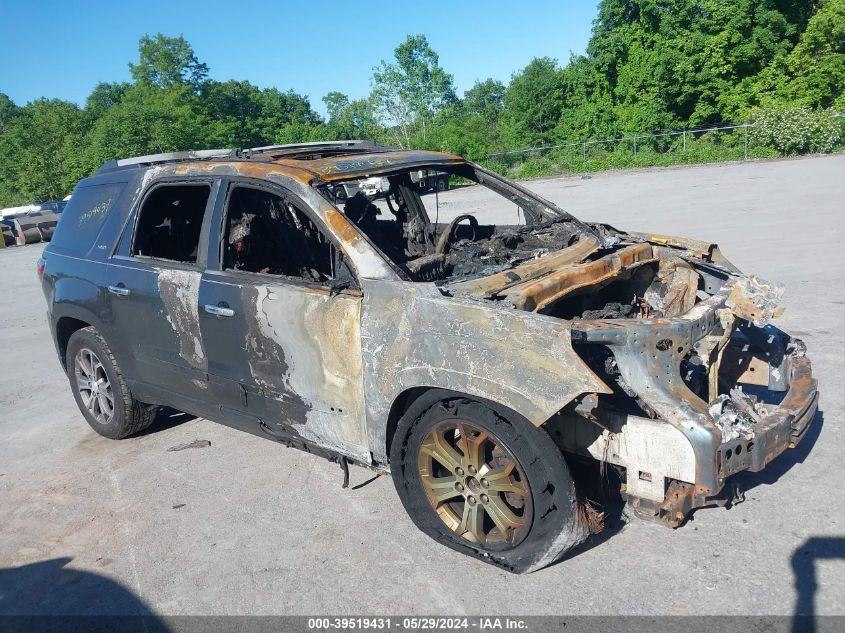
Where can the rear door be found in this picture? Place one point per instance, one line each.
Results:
(153, 282)
(280, 318)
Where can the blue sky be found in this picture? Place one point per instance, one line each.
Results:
(63, 49)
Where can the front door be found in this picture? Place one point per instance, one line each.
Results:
(281, 333)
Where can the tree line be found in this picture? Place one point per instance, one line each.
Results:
(650, 65)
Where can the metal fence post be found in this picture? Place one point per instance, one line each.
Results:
(746, 141)
(585, 155)
(685, 140)
(635, 144)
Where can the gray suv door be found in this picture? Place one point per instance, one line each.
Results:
(281, 335)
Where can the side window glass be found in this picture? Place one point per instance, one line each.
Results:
(266, 233)
(84, 215)
(169, 222)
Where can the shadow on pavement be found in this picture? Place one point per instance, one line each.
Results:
(47, 596)
(804, 569)
(166, 418)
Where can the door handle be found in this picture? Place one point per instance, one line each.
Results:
(223, 311)
(120, 291)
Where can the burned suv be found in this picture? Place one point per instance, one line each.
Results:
(475, 343)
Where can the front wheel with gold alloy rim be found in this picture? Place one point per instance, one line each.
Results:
(484, 481)
(475, 484)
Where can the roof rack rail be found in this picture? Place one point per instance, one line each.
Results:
(240, 154)
(314, 145)
(169, 157)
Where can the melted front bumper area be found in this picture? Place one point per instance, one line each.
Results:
(681, 369)
(782, 428)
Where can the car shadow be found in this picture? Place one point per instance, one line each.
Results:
(166, 418)
(48, 596)
(815, 548)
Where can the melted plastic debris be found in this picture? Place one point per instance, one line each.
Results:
(796, 348)
(756, 300)
(737, 414)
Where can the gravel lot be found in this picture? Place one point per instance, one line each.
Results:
(90, 525)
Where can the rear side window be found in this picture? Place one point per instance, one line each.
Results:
(169, 222)
(85, 214)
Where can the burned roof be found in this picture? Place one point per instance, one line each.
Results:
(326, 161)
(362, 165)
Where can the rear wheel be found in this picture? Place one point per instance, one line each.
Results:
(442, 184)
(100, 390)
(484, 482)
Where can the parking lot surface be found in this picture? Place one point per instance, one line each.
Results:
(245, 526)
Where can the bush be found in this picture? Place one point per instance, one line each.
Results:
(797, 130)
(536, 167)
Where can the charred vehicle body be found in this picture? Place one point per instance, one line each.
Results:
(472, 352)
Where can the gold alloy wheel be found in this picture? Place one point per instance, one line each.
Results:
(475, 484)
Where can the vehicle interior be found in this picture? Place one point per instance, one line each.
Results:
(266, 233)
(434, 236)
(170, 221)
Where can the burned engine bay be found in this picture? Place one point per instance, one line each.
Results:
(551, 263)
(556, 265)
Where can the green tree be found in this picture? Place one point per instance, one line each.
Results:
(813, 73)
(148, 120)
(410, 91)
(39, 152)
(166, 62)
(485, 99)
(104, 96)
(8, 111)
(234, 113)
(533, 104)
(350, 119)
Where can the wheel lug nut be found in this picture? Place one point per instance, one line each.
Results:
(485, 483)
(459, 487)
(471, 501)
(459, 471)
(484, 499)
(472, 470)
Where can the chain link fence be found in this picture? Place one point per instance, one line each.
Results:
(712, 143)
(579, 154)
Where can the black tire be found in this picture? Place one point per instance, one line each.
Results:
(442, 184)
(129, 416)
(554, 527)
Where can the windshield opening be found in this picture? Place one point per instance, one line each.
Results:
(453, 222)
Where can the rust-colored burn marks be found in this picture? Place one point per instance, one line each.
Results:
(247, 169)
(304, 353)
(341, 226)
(698, 248)
(332, 169)
(534, 295)
(493, 284)
(328, 169)
(756, 300)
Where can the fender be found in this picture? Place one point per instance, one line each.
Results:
(413, 336)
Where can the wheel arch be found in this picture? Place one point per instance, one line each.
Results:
(65, 327)
(407, 398)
